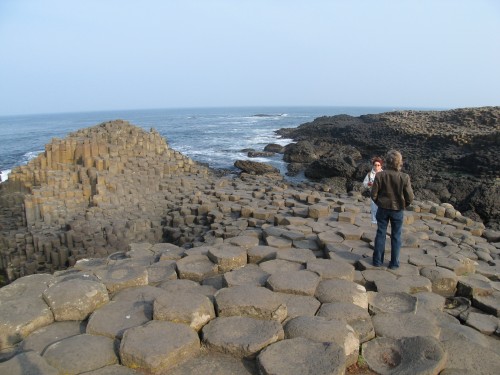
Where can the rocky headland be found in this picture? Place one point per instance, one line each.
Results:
(451, 156)
(124, 257)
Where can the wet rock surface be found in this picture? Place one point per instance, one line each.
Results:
(248, 279)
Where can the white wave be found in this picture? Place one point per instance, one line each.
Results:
(30, 155)
(4, 175)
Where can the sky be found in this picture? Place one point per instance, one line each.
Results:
(91, 55)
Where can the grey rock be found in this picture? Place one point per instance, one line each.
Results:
(215, 364)
(337, 290)
(27, 363)
(280, 265)
(39, 340)
(399, 325)
(302, 282)
(251, 274)
(444, 281)
(331, 269)
(396, 302)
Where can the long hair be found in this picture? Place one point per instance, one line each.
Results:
(394, 160)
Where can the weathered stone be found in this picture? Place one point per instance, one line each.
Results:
(337, 290)
(395, 302)
(196, 267)
(296, 255)
(214, 364)
(300, 356)
(243, 337)
(259, 254)
(39, 340)
(280, 265)
(192, 309)
(321, 329)
(407, 284)
(114, 318)
(81, 353)
(251, 274)
(400, 325)
(160, 271)
(250, 301)
(158, 346)
(75, 299)
(331, 269)
(489, 303)
(486, 324)
(119, 277)
(467, 356)
(228, 257)
(444, 281)
(302, 282)
(299, 305)
(408, 355)
(474, 285)
(27, 363)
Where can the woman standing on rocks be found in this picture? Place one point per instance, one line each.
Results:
(368, 182)
(392, 192)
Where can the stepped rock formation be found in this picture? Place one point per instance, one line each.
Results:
(451, 156)
(270, 278)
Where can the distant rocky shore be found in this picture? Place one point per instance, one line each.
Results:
(123, 256)
(452, 156)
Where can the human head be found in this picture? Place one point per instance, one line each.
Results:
(394, 160)
(377, 163)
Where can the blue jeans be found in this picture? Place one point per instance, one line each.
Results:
(384, 216)
(373, 209)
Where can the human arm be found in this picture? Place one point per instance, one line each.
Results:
(366, 181)
(408, 192)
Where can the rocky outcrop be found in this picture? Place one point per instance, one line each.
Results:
(450, 155)
(256, 276)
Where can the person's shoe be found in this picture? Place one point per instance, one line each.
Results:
(393, 267)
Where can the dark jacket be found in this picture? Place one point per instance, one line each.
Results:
(392, 190)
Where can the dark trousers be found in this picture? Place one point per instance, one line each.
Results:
(384, 217)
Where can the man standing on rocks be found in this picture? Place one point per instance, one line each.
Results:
(392, 193)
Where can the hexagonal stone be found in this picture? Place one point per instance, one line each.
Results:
(409, 355)
(278, 242)
(122, 276)
(27, 286)
(27, 363)
(114, 318)
(241, 337)
(18, 318)
(329, 238)
(444, 281)
(196, 267)
(228, 257)
(250, 301)
(75, 299)
(399, 325)
(214, 364)
(192, 309)
(331, 269)
(486, 324)
(473, 359)
(158, 346)
(251, 274)
(396, 302)
(337, 290)
(113, 370)
(408, 284)
(489, 304)
(301, 282)
(357, 317)
(296, 255)
(259, 254)
(460, 267)
(430, 301)
(474, 285)
(421, 260)
(300, 356)
(145, 293)
(160, 271)
(376, 275)
(321, 329)
(279, 265)
(245, 242)
(81, 353)
(40, 339)
(167, 251)
(299, 305)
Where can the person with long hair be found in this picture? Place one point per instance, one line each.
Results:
(392, 193)
(368, 182)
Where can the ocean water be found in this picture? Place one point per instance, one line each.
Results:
(215, 136)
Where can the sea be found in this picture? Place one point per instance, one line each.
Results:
(215, 136)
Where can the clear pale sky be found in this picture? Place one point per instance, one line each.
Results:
(86, 55)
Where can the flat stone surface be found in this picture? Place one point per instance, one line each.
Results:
(430, 301)
(467, 356)
(196, 267)
(357, 317)
(27, 363)
(399, 325)
(39, 340)
(321, 329)
(114, 318)
(158, 346)
(299, 305)
(250, 301)
(190, 308)
(395, 302)
(444, 281)
(301, 356)
(75, 299)
(113, 370)
(474, 285)
(259, 254)
(250, 274)
(489, 304)
(422, 260)
(215, 364)
(331, 269)
(146, 293)
(338, 290)
(122, 276)
(160, 271)
(296, 255)
(228, 257)
(18, 318)
(407, 284)
(81, 353)
(302, 282)
(241, 337)
(486, 324)
(280, 265)
(26, 287)
(410, 355)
